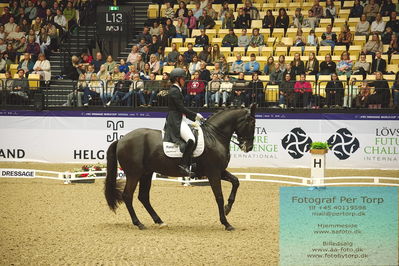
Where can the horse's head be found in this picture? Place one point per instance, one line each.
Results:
(245, 129)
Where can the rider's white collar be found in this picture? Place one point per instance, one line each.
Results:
(177, 85)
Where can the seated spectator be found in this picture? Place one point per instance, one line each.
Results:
(298, 18)
(230, 40)
(93, 90)
(252, 66)
(197, 10)
(281, 61)
(395, 92)
(330, 10)
(201, 40)
(393, 45)
(10, 26)
(194, 66)
(195, 91)
(76, 96)
(282, 20)
(47, 19)
(31, 10)
(6, 16)
(379, 64)
(299, 38)
(317, 9)
(297, 65)
(276, 75)
(371, 10)
(356, 10)
(103, 74)
(123, 67)
(181, 61)
(145, 35)
(154, 30)
(212, 95)
(36, 27)
(381, 96)
(20, 47)
(240, 91)
(146, 96)
(72, 69)
(44, 41)
(70, 15)
(302, 92)
(211, 12)
(269, 66)
(217, 70)
(386, 36)
(42, 67)
(3, 35)
(189, 54)
(181, 29)
(373, 46)
(205, 74)
(329, 38)
(328, 66)
(154, 46)
(19, 93)
(286, 92)
(393, 23)
(257, 93)
(190, 21)
(362, 27)
(268, 20)
(206, 54)
(228, 20)
(60, 21)
(242, 20)
(362, 67)
(169, 12)
(132, 57)
(131, 71)
(110, 64)
(205, 21)
(215, 53)
(182, 11)
(99, 61)
(170, 29)
(155, 65)
(256, 39)
(312, 39)
(238, 65)
(362, 98)
(288, 70)
(226, 87)
(163, 39)
(223, 64)
(334, 92)
(345, 37)
(311, 21)
(145, 54)
(27, 64)
(32, 47)
(378, 25)
(224, 10)
(344, 67)
(145, 72)
(312, 65)
(171, 58)
(9, 55)
(243, 40)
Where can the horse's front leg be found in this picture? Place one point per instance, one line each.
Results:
(216, 186)
(227, 176)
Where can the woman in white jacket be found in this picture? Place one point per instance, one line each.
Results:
(42, 67)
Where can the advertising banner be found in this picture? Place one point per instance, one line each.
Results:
(281, 140)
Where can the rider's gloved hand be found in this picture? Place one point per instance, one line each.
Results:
(199, 117)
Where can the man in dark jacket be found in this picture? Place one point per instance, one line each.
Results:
(206, 21)
(379, 64)
(176, 128)
(201, 40)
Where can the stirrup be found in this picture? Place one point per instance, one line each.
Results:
(185, 170)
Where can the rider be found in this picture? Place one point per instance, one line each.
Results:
(176, 127)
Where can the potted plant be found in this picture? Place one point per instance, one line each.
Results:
(319, 147)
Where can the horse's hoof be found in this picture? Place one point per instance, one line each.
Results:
(163, 225)
(230, 228)
(227, 209)
(141, 227)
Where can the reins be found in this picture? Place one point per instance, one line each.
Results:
(220, 133)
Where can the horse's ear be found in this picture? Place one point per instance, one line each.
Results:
(253, 109)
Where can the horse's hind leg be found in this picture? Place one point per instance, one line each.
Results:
(130, 187)
(144, 197)
(216, 186)
(227, 176)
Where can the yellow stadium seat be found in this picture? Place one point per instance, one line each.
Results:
(211, 33)
(226, 51)
(324, 22)
(323, 50)
(395, 59)
(267, 6)
(217, 41)
(256, 24)
(339, 49)
(287, 41)
(223, 32)
(34, 81)
(189, 40)
(239, 50)
(310, 49)
(266, 51)
(281, 51)
(15, 76)
(278, 33)
(339, 22)
(253, 50)
(295, 50)
(167, 69)
(272, 93)
(177, 41)
(359, 40)
(353, 21)
(265, 33)
(158, 77)
(13, 69)
(355, 50)
(270, 41)
(344, 13)
(152, 11)
(182, 49)
(280, 5)
(218, 24)
(167, 51)
(210, 68)
(291, 32)
(348, 4)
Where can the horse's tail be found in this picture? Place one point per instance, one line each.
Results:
(112, 193)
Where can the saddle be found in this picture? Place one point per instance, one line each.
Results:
(175, 150)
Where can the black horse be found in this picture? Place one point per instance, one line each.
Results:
(140, 154)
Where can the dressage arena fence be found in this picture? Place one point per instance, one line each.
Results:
(69, 177)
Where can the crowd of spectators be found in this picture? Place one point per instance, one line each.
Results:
(208, 70)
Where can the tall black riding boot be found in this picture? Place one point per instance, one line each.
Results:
(188, 152)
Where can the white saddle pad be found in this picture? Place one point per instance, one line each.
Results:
(172, 150)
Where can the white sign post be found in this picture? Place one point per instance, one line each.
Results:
(318, 166)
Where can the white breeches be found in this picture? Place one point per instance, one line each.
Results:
(185, 131)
